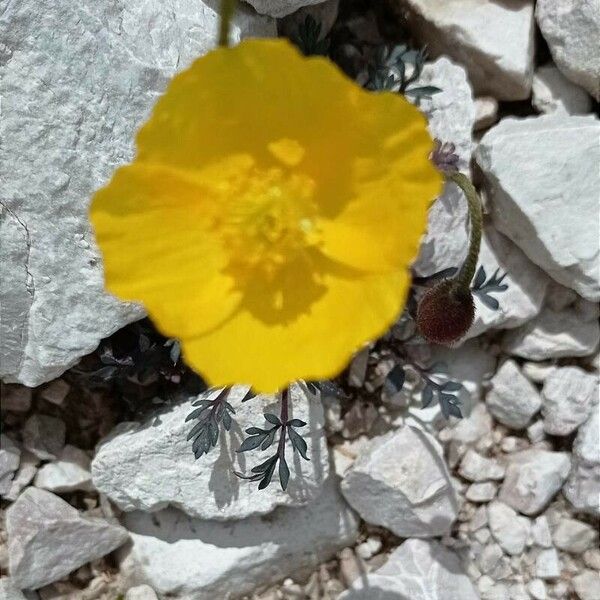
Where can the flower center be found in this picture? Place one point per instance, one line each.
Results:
(269, 221)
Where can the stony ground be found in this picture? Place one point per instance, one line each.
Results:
(101, 497)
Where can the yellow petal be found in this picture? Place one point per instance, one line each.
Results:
(151, 223)
(316, 344)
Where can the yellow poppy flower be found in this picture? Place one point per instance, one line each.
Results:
(270, 216)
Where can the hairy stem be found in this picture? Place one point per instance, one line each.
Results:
(227, 10)
(467, 271)
(283, 417)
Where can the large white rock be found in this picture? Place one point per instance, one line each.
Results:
(574, 536)
(549, 205)
(553, 92)
(513, 399)
(451, 116)
(48, 538)
(194, 559)
(526, 282)
(400, 481)
(280, 8)
(572, 30)
(583, 486)
(554, 334)
(474, 33)
(417, 570)
(73, 95)
(151, 466)
(533, 477)
(568, 395)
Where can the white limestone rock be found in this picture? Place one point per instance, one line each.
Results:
(549, 205)
(554, 334)
(400, 481)
(533, 478)
(48, 538)
(583, 486)
(474, 34)
(44, 436)
(10, 457)
(451, 115)
(527, 284)
(540, 532)
(70, 472)
(73, 96)
(417, 570)
(572, 30)
(574, 536)
(475, 467)
(513, 400)
(547, 564)
(280, 8)
(510, 530)
(151, 466)
(196, 559)
(141, 592)
(568, 395)
(553, 92)
(486, 112)
(586, 584)
(8, 591)
(24, 475)
(481, 492)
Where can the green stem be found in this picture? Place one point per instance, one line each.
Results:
(227, 10)
(467, 271)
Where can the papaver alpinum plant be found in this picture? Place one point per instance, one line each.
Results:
(270, 216)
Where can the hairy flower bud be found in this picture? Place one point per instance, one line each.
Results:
(445, 312)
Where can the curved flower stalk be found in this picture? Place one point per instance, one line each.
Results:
(270, 215)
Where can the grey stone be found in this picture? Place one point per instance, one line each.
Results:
(586, 585)
(417, 570)
(71, 116)
(48, 538)
(533, 478)
(540, 532)
(56, 392)
(475, 467)
(8, 591)
(325, 13)
(574, 536)
(537, 589)
(10, 457)
(16, 398)
(24, 475)
(510, 530)
(486, 112)
(554, 334)
(572, 30)
(547, 564)
(553, 92)
(548, 207)
(474, 33)
(70, 472)
(451, 116)
(167, 548)
(512, 400)
(141, 592)
(150, 466)
(481, 492)
(400, 482)
(568, 395)
(44, 436)
(583, 486)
